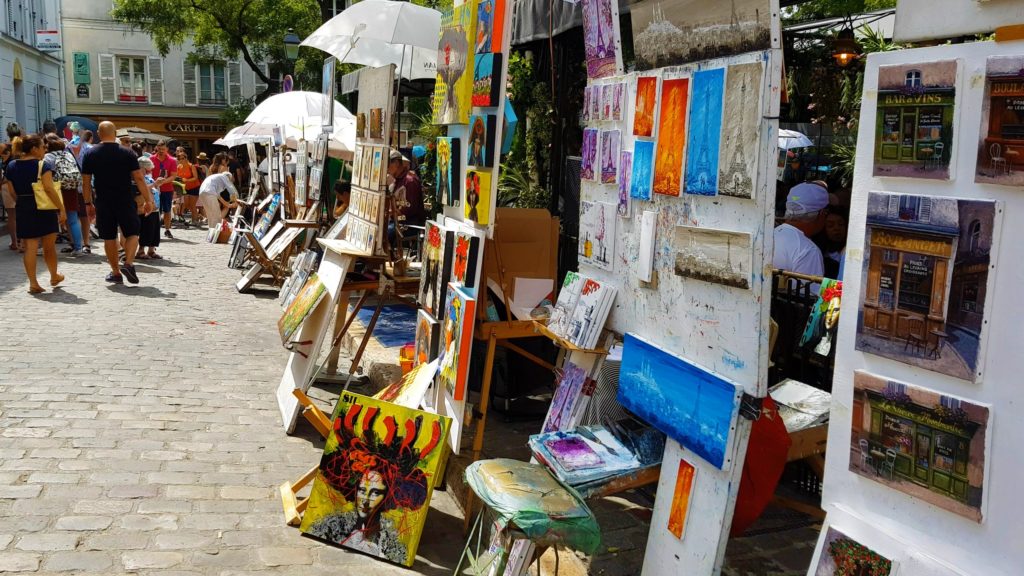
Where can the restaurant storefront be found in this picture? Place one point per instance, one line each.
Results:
(1005, 121)
(195, 134)
(914, 128)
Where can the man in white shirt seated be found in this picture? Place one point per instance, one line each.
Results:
(805, 216)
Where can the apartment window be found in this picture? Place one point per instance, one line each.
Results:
(913, 79)
(213, 84)
(975, 235)
(131, 79)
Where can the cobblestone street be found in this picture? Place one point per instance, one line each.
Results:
(139, 433)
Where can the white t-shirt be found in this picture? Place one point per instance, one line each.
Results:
(217, 183)
(796, 252)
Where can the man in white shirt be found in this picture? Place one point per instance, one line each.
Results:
(805, 216)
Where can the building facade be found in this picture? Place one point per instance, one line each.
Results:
(31, 68)
(118, 75)
(915, 114)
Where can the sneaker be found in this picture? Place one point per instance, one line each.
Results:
(115, 278)
(167, 234)
(129, 273)
(87, 249)
(67, 250)
(76, 253)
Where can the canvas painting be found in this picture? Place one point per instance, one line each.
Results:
(823, 321)
(449, 154)
(646, 105)
(313, 291)
(428, 332)
(456, 342)
(927, 263)
(409, 390)
(486, 79)
(1002, 115)
(668, 164)
(357, 165)
(568, 296)
(717, 256)
(643, 168)
(478, 197)
(842, 555)
(361, 125)
(590, 313)
(376, 123)
(367, 171)
(454, 88)
(624, 209)
(597, 234)
(588, 165)
(464, 263)
(914, 122)
(490, 26)
(509, 123)
(607, 95)
(688, 403)
(372, 491)
(610, 156)
(437, 263)
(618, 101)
(376, 168)
(567, 395)
(741, 118)
(681, 498)
(588, 93)
(480, 146)
(673, 32)
(920, 442)
(705, 132)
(595, 104)
(601, 38)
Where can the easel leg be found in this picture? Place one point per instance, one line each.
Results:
(340, 324)
(366, 339)
(481, 423)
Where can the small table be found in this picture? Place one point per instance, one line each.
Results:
(940, 338)
(927, 152)
(1011, 157)
(877, 456)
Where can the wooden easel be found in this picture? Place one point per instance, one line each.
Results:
(293, 506)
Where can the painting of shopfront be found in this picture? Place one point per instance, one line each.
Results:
(1001, 146)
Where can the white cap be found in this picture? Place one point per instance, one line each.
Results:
(806, 198)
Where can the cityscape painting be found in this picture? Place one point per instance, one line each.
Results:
(717, 256)
(741, 117)
(643, 162)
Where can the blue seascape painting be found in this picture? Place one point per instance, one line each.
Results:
(705, 132)
(683, 400)
(643, 163)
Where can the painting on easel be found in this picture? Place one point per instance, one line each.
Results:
(313, 291)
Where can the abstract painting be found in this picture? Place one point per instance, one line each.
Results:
(409, 390)
(646, 105)
(464, 264)
(625, 208)
(610, 156)
(376, 168)
(437, 266)
(456, 341)
(673, 32)
(486, 79)
(313, 291)
(428, 332)
(716, 256)
(480, 147)
(449, 155)
(668, 164)
(927, 261)
(741, 118)
(688, 403)
(705, 132)
(588, 164)
(842, 555)
(567, 395)
(1002, 113)
(914, 122)
(477, 206)
(925, 444)
(597, 234)
(643, 163)
(681, 498)
(601, 38)
(372, 491)
(454, 88)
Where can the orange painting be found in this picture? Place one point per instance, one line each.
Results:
(668, 161)
(681, 498)
(646, 98)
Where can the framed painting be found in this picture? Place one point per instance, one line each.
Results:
(437, 266)
(588, 165)
(478, 197)
(646, 106)
(465, 261)
(601, 38)
(449, 155)
(312, 292)
(668, 163)
(1001, 142)
(480, 146)
(454, 89)
(610, 140)
(428, 332)
(841, 555)
(456, 342)
(486, 79)
(643, 167)
(702, 147)
(741, 119)
(717, 256)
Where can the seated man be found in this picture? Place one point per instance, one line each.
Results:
(806, 211)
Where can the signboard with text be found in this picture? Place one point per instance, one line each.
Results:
(80, 63)
(48, 40)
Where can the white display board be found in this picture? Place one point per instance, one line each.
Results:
(918, 20)
(923, 538)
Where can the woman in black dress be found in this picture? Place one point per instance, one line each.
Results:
(36, 226)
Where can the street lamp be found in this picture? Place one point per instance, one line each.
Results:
(845, 48)
(291, 44)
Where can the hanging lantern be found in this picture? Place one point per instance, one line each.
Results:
(845, 48)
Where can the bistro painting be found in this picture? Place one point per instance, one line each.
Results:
(920, 442)
(1001, 149)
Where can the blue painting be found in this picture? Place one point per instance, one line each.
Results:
(643, 163)
(705, 132)
(689, 404)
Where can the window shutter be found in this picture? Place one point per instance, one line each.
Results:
(108, 92)
(156, 80)
(234, 82)
(894, 207)
(191, 91)
(926, 210)
(259, 85)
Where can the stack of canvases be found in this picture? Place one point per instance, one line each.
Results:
(581, 309)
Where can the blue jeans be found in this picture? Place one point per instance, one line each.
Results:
(75, 226)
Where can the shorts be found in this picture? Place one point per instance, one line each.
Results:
(166, 198)
(149, 232)
(110, 217)
(192, 192)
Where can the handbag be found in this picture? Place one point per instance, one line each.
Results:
(43, 200)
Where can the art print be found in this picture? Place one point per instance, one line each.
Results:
(597, 234)
(567, 395)
(376, 169)
(601, 38)
(618, 99)
(486, 79)
(705, 132)
(456, 341)
(1001, 142)
(454, 88)
(357, 165)
(914, 122)
(437, 262)
(741, 118)
(480, 147)
(367, 172)
(693, 406)
(449, 155)
(312, 292)
(464, 263)
(646, 106)
(588, 164)
(668, 164)
(841, 555)
(607, 95)
(478, 197)
(588, 93)
(595, 103)
(372, 490)
(624, 208)
(643, 168)
(920, 442)
(673, 32)
(610, 156)
(717, 256)
(927, 262)
(428, 332)
(681, 498)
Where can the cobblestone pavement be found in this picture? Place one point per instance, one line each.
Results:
(139, 433)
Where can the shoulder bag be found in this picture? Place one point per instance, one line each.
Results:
(43, 200)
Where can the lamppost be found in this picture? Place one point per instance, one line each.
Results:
(291, 52)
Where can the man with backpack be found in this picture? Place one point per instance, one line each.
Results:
(65, 171)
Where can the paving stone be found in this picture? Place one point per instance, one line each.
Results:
(142, 491)
(111, 507)
(18, 562)
(144, 522)
(42, 542)
(182, 540)
(5, 539)
(136, 560)
(84, 523)
(274, 557)
(191, 492)
(116, 541)
(20, 491)
(78, 562)
(244, 493)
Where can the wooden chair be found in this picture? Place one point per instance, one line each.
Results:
(915, 333)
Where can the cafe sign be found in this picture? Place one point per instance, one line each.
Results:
(885, 239)
(180, 128)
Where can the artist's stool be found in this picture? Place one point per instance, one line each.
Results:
(529, 502)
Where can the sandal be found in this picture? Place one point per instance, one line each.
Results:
(142, 257)
(155, 256)
(36, 290)
(56, 280)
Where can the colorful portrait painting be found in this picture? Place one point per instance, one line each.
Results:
(456, 341)
(454, 88)
(480, 147)
(668, 164)
(646, 105)
(588, 165)
(601, 38)
(373, 488)
(925, 444)
(705, 132)
(464, 264)
(643, 168)
(1001, 143)
(486, 79)
(428, 332)
(437, 266)
(449, 154)
(741, 118)
(624, 208)
(312, 292)
(610, 140)
(681, 498)
(842, 555)
(478, 197)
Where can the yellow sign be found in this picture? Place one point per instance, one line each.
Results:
(887, 239)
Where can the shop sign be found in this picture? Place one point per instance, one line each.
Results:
(48, 40)
(915, 99)
(1007, 88)
(1015, 104)
(82, 90)
(926, 419)
(195, 128)
(887, 239)
(80, 61)
(930, 118)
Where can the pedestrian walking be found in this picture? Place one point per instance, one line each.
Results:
(9, 198)
(36, 224)
(165, 170)
(149, 232)
(189, 176)
(66, 172)
(111, 171)
(218, 193)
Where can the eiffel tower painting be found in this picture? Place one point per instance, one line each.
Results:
(740, 130)
(705, 132)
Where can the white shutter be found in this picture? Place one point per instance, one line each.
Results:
(108, 91)
(259, 85)
(925, 215)
(189, 87)
(894, 207)
(156, 80)
(234, 82)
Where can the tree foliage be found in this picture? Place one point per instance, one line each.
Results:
(819, 9)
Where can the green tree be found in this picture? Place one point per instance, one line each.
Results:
(819, 9)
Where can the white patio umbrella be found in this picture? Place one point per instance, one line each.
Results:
(789, 139)
(248, 132)
(297, 111)
(341, 144)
